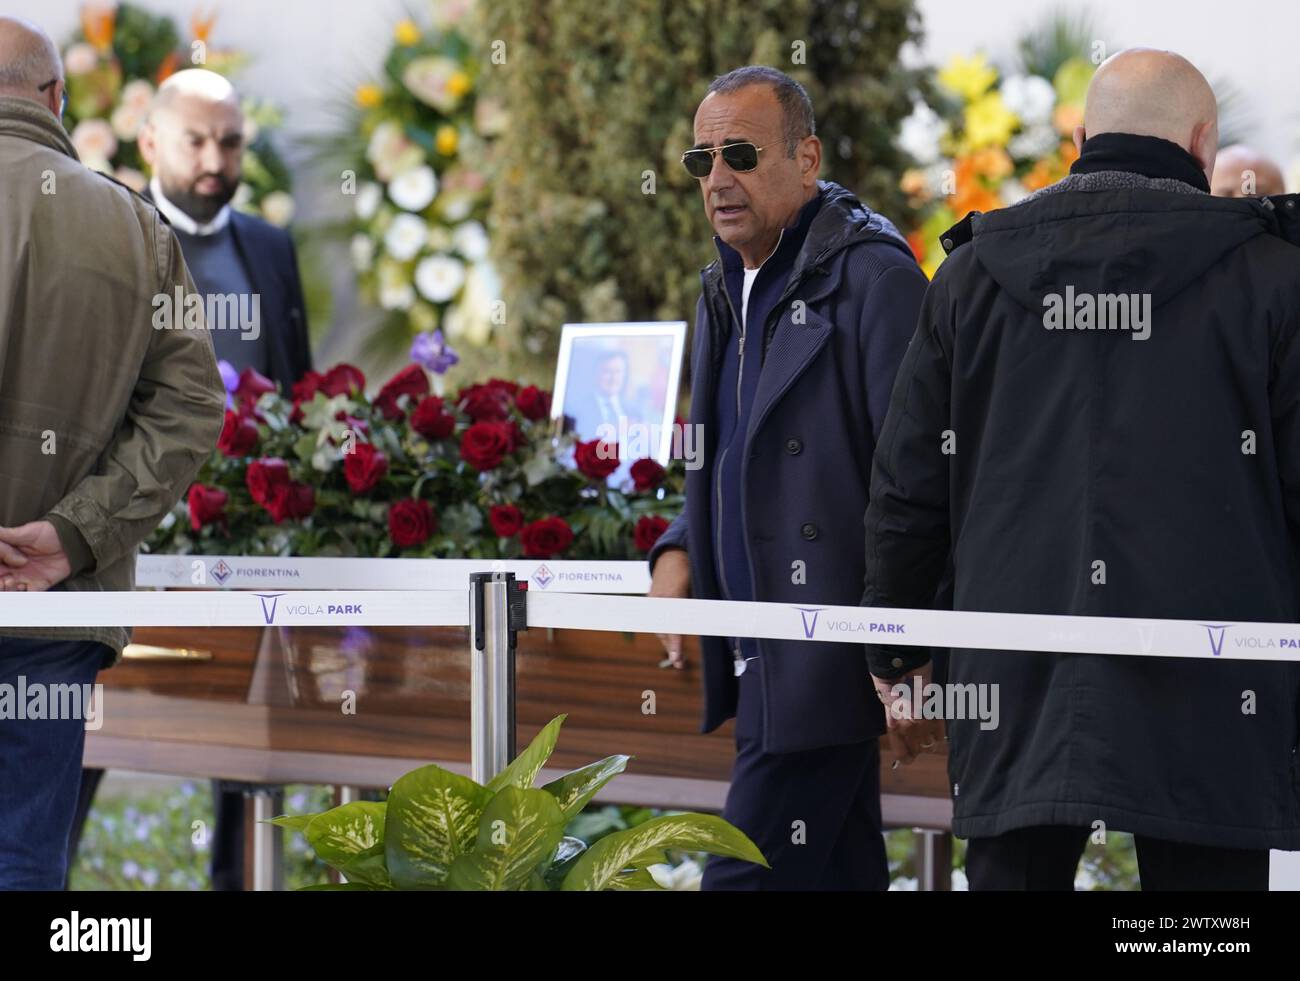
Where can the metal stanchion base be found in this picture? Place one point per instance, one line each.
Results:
(933, 860)
(268, 840)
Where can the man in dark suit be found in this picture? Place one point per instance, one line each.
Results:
(247, 271)
(802, 324)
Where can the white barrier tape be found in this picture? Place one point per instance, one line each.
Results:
(920, 628)
(639, 614)
(198, 608)
(240, 572)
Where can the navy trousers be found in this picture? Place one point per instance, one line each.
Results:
(40, 761)
(815, 815)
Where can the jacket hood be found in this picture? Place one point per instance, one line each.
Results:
(1130, 240)
(28, 120)
(842, 221)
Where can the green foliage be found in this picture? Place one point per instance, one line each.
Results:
(599, 94)
(440, 830)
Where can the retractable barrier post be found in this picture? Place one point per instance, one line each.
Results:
(496, 613)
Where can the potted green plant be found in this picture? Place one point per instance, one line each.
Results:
(440, 830)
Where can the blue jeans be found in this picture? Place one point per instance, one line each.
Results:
(40, 760)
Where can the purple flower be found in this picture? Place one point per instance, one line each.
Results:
(230, 379)
(433, 353)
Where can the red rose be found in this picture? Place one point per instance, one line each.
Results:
(647, 474)
(411, 523)
(342, 379)
(534, 403)
(506, 519)
(252, 385)
(411, 381)
(485, 444)
(295, 416)
(596, 459)
(264, 476)
(238, 435)
(305, 387)
(207, 505)
(544, 539)
(485, 403)
(430, 421)
(363, 467)
(503, 386)
(293, 500)
(647, 531)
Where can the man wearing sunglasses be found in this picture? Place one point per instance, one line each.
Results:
(802, 324)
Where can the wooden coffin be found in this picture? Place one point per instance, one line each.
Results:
(361, 706)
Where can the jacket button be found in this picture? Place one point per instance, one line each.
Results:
(809, 530)
(793, 446)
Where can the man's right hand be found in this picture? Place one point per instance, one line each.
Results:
(672, 579)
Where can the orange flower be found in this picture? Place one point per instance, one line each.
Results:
(991, 162)
(1069, 153)
(201, 27)
(972, 193)
(1066, 117)
(167, 68)
(97, 22)
(917, 245)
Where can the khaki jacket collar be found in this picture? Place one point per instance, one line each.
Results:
(30, 120)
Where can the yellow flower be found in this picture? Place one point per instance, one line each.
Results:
(368, 96)
(407, 33)
(458, 84)
(447, 140)
(968, 77)
(988, 122)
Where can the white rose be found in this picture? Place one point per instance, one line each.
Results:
(363, 252)
(79, 59)
(138, 94)
(470, 319)
(126, 122)
(471, 241)
(396, 296)
(1030, 97)
(1036, 141)
(414, 190)
(439, 277)
(278, 208)
(405, 236)
(391, 152)
(94, 139)
(368, 197)
(919, 134)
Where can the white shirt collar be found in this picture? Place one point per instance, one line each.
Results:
(180, 219)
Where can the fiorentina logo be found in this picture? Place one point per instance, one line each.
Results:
(543, 576)
(221, 572)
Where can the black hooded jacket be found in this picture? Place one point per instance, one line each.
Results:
(1092, 473)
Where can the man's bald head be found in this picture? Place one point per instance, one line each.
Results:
(1240, 172)
(28, 60)
(1154, 93)
(194, 141)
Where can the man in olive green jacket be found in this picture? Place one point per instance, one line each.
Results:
(104, 421)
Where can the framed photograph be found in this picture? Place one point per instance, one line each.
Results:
(618, 382)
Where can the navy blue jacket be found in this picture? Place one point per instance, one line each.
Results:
(830, 349)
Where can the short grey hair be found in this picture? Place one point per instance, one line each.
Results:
(796, 108)
(28, 58)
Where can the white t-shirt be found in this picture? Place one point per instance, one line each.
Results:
(750, 276)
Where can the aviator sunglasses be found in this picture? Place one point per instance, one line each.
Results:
(740, 157)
